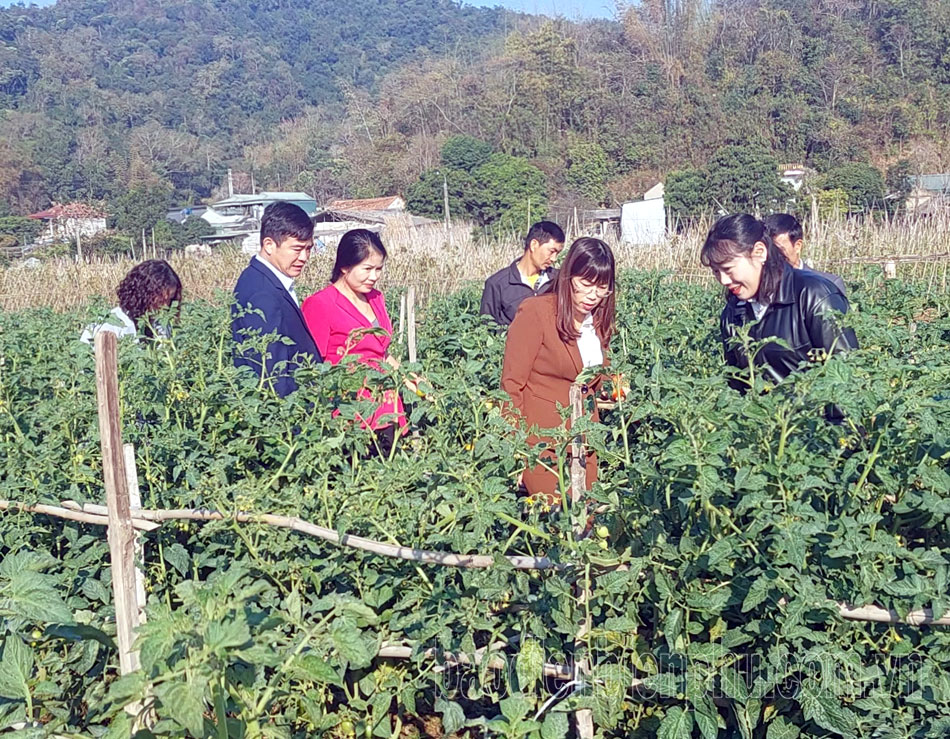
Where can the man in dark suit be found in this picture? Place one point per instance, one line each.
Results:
(788, 235)
(532, 274)
(265, 302)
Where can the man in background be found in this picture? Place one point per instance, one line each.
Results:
(266, 303)
(531, 274)
(787, 233)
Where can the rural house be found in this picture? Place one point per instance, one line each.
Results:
(66, 221)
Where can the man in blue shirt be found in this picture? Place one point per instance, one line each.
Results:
(266, 303)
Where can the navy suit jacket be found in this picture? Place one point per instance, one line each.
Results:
(258, 289)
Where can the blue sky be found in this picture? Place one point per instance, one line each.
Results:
(571, 9)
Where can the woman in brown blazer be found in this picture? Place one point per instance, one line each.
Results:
(553, 337)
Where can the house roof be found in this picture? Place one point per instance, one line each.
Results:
(262, 198)
(68, 210)
(370, 216)
(933, 182)
(391, 202)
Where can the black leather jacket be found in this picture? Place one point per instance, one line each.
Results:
(801, 313)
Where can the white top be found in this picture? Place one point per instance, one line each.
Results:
(287, 282)
(758, 308)
(119, 324)
(588, 343)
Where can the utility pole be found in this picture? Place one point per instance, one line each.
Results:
(230, 183)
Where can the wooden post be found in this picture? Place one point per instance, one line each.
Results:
(121, 533)
(135, 501)
(402, 318)
(578, 456)
(411, 318)
(584, 718)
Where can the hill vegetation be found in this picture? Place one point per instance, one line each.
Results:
(100, 98)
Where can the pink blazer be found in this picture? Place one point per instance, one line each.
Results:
(335, 324)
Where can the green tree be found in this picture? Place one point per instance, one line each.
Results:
(142, 207)
(19, 230)
(465, 153)
(898, 183)
(509, 193)
(426, 196)
(745, 178)
(588, 169)
(863, 184)
(686, 192)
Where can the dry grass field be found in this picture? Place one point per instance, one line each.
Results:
(438, 262)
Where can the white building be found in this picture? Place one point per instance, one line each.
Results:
(66, 221)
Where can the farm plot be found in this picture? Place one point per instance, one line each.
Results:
(732, 533)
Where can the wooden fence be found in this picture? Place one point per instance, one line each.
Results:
(127, 521)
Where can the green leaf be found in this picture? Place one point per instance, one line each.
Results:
(823, 708)
(733, 685)
(313, 668)
(453, 717)
(33, 597)
(16, 668)
(781, 729)
(515, 707)
(758, 592)
(220, 637)
(529, 665)
(349, 644)
(185, 703)
(555, 726)
(79, 632)
(677, 724)
(664, 683)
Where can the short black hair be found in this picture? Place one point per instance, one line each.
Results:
(354, 247)
(784, 223)
(283, 220)
(544, 231)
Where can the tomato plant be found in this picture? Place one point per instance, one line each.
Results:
(729, 527)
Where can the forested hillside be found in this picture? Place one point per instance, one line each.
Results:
(103, 97)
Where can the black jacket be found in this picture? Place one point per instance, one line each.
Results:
(505, 290)
(263, 306)
(801, 313)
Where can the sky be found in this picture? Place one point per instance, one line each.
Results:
(570, 9)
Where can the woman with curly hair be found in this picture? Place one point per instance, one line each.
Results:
(146, 289)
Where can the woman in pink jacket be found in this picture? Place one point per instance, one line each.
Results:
(341, 317)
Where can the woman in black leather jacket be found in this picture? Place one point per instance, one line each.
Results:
(793, 305)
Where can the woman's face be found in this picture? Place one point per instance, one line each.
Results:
(742, 273)
(362, 277)
(587, 294)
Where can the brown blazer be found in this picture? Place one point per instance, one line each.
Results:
(537, 374)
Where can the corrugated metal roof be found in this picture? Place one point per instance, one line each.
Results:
(933, 182)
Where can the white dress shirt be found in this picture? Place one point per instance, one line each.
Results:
(287, 282)
(588, 344)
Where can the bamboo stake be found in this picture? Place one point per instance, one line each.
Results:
(411, 318)
(475, 561)
(121, 534)
(145, 520)
(402, 317)
(584, 717)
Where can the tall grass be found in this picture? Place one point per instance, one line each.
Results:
(438, 261)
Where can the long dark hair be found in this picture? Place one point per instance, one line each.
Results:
(589, 259)
(736, 236)
(149, 286)
(354, 247)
